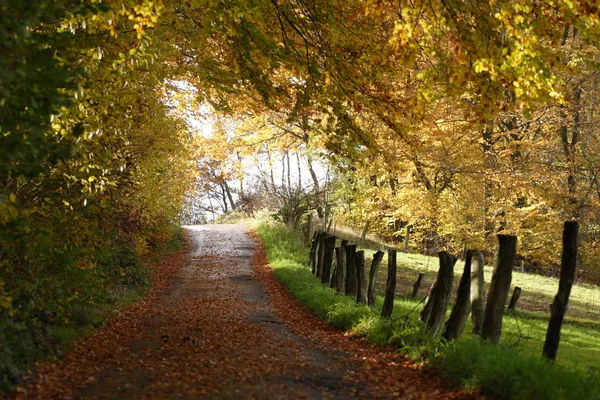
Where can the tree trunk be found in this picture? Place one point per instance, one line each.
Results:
(363, 235)
(390, 287)
(561, 300)
(499, 287)
(327, 259)
(224, 197)
(477, 291)
(316, 189)
(406, 238)
(514, 299)
(229, 196)
(361, 287)
(350, 285)
(436, 305)
(417, 285)
(462, 307)
(377, 257)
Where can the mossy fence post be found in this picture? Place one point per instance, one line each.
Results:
(436, 304)
(390, 287)
(561, 300)
(377, 257)
(462, 306)
(499, 287)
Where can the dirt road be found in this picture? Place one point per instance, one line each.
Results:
(218, 325)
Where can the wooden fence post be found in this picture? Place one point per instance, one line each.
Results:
(350, 284)
(361, 279)
(390, 287)
(377, 257)
(417, 285)
(561, 300)
(314, 248)
(327, 259)
(462, 306)
(499, 287)
(321, 253)
(334, 269)
(514, 299)
(340, 259)
(337, 271)
(434, 310)
(308, 233)
(477, 291)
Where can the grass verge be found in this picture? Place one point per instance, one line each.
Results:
(503, 372)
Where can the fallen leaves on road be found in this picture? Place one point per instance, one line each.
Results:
(389, 374)
(216, 325)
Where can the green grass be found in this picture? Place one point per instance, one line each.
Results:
(514, 369)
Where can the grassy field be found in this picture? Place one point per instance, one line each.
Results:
(576, 374)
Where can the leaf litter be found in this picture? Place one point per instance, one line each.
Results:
(218, 324)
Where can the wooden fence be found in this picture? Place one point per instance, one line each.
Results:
(348, 275)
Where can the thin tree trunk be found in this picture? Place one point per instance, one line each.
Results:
(224, 196)
(377, 257)
(406, 238)
(390, 287)
(299, 170)
(270, 161)
(242, 194)
(229, 196)
(361, 288)
(462, 307)
(561, 300)
(499, 287)
(436, 305)
(350, 286)
(477, 291)
(363, 235)
(317, 190)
